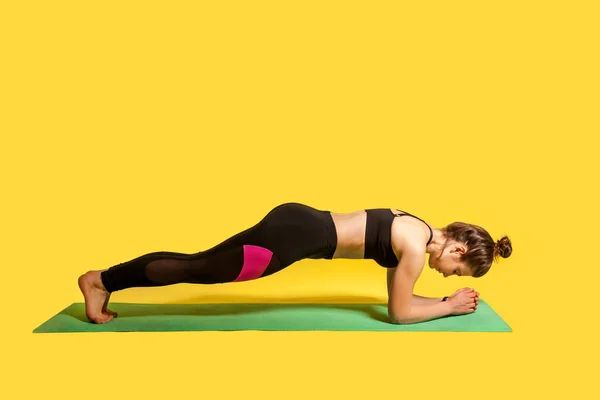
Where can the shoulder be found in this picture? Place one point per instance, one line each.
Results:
(408, 236)
(410, 262)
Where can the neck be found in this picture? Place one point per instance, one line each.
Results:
(437, 242)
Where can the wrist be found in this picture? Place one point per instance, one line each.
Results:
(447, 306)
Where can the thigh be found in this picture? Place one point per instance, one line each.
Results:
(222, 265)
(247, 255)
(288, 233)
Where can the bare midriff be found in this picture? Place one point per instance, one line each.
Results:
(350, 228)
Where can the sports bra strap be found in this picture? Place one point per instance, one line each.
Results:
(430, 230)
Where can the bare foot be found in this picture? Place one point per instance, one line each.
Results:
(96, 297)
(106, 310)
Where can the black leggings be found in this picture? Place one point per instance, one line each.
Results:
(288, 233)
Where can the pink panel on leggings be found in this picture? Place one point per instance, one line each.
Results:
(256, 260)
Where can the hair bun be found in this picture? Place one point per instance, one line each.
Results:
(503, 247)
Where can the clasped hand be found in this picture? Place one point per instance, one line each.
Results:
(464, 301)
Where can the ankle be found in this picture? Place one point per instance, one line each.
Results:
(97, 279)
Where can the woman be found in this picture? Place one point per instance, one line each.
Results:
(292, 231)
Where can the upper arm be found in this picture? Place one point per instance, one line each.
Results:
(389, 276)
(403, 281)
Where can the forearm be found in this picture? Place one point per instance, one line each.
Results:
(423, 301)
(416, 299)
(423, 312)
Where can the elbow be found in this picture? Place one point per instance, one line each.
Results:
(398, 315)
(398, 319)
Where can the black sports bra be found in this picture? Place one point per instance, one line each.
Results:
(378, 243)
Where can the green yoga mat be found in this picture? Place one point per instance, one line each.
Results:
(265, 317)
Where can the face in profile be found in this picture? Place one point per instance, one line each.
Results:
(448, 261)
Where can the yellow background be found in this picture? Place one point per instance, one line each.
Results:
(131, 127)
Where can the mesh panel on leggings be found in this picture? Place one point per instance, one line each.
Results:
(220, 267)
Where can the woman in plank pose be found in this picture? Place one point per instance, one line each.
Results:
(293, 231)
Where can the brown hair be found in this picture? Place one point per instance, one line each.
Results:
(481, 248)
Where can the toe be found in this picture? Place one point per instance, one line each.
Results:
(109, 312)
(100, 318)
(103, 319)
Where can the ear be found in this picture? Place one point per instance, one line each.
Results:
(459, 249)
